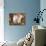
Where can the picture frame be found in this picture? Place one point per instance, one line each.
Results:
(16, 18)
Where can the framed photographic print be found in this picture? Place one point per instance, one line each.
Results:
(16, 19)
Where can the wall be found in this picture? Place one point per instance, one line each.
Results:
(43, 6)
(30, 7)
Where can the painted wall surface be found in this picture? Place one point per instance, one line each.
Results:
(30, 7)
(43, 6)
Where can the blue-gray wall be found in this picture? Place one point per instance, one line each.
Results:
(30, 7)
